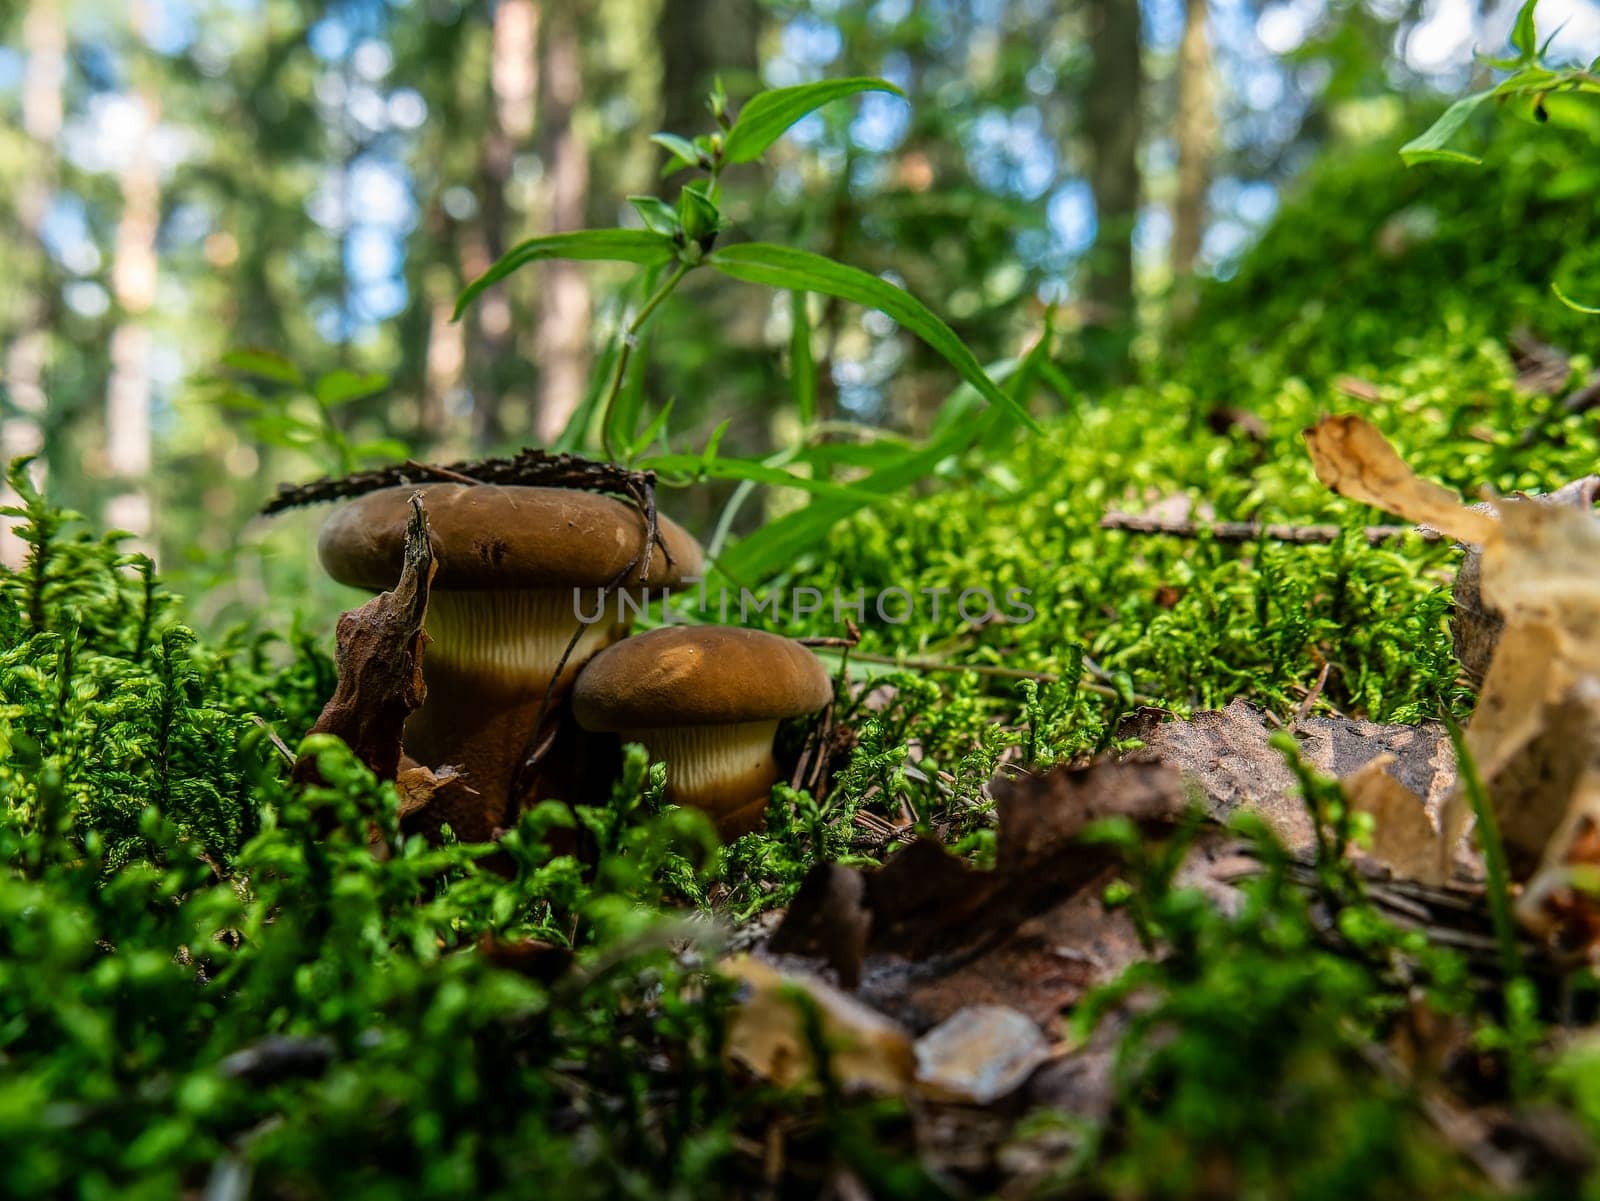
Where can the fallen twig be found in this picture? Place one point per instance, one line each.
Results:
(1254, 531)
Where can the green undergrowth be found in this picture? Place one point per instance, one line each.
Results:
(211, 985)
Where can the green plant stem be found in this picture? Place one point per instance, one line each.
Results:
(625, 353)
(986, 669)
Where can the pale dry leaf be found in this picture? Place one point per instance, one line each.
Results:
(1475, 624)
(1545, 567)
(1533, 782)
(417, 785)
(768, 1031)
(979, 1055)
(1403, 836)
(1353, 459)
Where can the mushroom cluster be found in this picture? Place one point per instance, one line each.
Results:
(522, 572)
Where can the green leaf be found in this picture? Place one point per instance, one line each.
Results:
(802, 367)
(784, 267)
(778, 544)
(342, 386)
(697, 213)
(1593, 311)
(763, 120)
(709, 455)
(656, 214)
(381, 448)
(612, 245)
(682, 149)
(699, 466)
(1430, 145)
(629, 403)
(279, 429)
(1524, 37)
(266, 364)
(652, 431)
(576, 431)
(238, 400)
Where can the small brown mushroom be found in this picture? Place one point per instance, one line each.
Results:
(706, 700)
(517, 568)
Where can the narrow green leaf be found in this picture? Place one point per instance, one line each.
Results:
(651, 432)
(238, 400)
(656, 214)
(1430, 145)
(342, 386)
(764, 118)
(1593, 311)
(850, 497)
(1524, 37)
(381, 448)
(784, 267)
(576, 431)
(613, 245)
(625, 410)
(802, 367)
(709, 456)
(682, 150)
(778, 544)
(265, 364)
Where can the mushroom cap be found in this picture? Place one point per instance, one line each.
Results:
(698, 676)
(502, 536)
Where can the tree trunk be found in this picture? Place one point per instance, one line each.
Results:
(514, 85)
(22, 421)
(133, 286)
(1112, 122)
(700, 39)
(1195, 134)
(561, 341)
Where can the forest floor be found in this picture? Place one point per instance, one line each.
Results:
(1189, 886)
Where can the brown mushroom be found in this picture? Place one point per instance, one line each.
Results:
(706, 700)
(517, 566)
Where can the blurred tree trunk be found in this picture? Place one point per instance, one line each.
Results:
(1195, 134)
(22, 416)
(699, 40)
(133, 287)
(561, 340)
(514, 86)
(1112, 121)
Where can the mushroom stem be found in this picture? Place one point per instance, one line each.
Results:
(728, 771)
(489, 662)
(518, 636)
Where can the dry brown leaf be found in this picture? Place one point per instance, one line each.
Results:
(1544, 567)
(1403, 835)
(1228, 755)
(1355, 460)
(768, 1031)
(378, 655)
(1476, 624)
(983, 1053)
(418, 786)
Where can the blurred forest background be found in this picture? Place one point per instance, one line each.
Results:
(185, 178)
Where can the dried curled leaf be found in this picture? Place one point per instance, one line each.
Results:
(1356, 461)
(1545, 567)
(769, 1032)
(1476, 624)
(1403, 835)
(379, 660)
